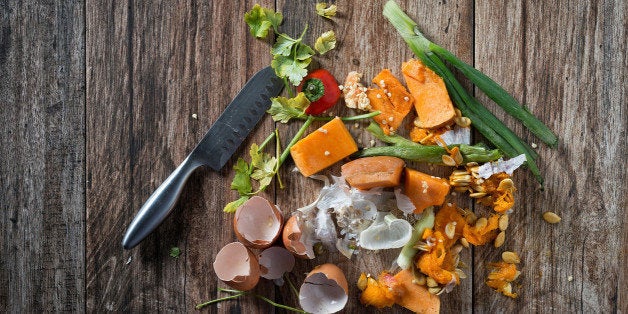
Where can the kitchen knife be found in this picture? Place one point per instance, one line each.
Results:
(214, 150)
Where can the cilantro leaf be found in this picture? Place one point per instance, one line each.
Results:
(242, 179)
(283, 46)
(233, 206)
(324, 11)
(326, 42)
(175, 252)
(257, 21)
(275, 18)
(283, 109)
(291, 68)
(304, 52)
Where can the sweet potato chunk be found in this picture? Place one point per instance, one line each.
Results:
(369, 172)
(425, 190)
(431, 100)
(322, 148)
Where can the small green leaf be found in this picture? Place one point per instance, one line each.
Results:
(294, 70)
(324, 11)
(283, 109)
(326, 42)
(242, 179)
(283, 45)
(275, 18)
(175, 252)
(304, 52)
(233, 206)
(257, 21)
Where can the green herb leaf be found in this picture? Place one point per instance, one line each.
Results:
(283, 46)
(275, 18)
(175, 252)
(304, 52)
(283, 109)
(323, 10)
(326, 42)
(242, 179)
(293, 69)
(233, 206)
(258, 23)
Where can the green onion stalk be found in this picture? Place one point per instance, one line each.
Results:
(482, 119)
(406, 149)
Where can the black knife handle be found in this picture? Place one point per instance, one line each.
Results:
(159, 204)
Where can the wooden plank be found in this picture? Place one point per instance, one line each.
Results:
(565, 60)
(368, 43)
(42, 164)
(150, 67)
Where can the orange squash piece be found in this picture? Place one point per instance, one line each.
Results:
(322, 148)
(431, 100)
(391, 99)
(369, 172)
(424, 190)
(415, 297)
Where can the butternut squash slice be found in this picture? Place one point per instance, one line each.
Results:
(377, 171)
(431, 100)
(322, 148)
(390, 98)
(415, 297)
(424, 190)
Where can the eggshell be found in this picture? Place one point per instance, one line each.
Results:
(325, 290)
(292, 240)
(275, 261)
(237, 266)
(257, 223)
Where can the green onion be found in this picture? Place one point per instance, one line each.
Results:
(497, 93)
(408, 150)
(482, 119)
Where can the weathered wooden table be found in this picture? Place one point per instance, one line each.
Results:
(96, 103)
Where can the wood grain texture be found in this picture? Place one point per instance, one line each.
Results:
(151, 69)
(571, 75)
(42, 199)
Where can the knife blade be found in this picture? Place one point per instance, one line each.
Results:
(214, 150)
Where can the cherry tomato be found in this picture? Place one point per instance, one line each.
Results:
(321, 89)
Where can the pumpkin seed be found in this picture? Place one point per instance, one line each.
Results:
(503, 222)
(551, 217)
(448, 161)
(481, 223)
(431, 282)
(508, 288)
(450, 229)
(460, 273)
(506, 184)
(458, 157)
(477, 195)
(362, 283)
(464, 242)
(511, 257)
(434, 290)
(500, 239)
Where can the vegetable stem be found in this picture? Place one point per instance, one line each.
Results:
(297, 137)
(278, 153)
(235, 296)
(352, 118)
(497, 93)
(281, 306)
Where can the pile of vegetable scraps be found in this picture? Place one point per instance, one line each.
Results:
(378, 200)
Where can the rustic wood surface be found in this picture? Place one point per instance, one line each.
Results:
(96, 104)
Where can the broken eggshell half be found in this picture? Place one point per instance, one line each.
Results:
(325, 290)
(257, 223)
(237, 266)
(274, 262)
(294, 240)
